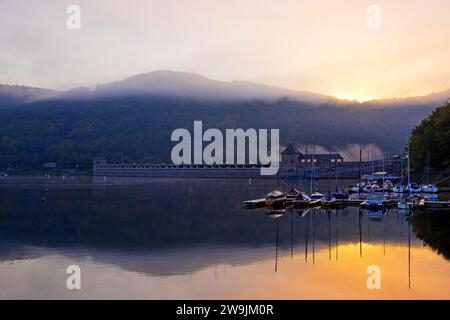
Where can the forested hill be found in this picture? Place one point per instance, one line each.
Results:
(136, 117)
(72, 131)
(17, 95)
(433, 136)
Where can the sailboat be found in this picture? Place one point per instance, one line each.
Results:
(398, 188)
(428, 187)
(316, 197)
(407, 203)
(275, 198)
(302, 200)
(292, 194)
(375, 200)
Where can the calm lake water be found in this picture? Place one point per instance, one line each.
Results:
(191, 239)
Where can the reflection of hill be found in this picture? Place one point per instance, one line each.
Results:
(434, 229)
(153, 262)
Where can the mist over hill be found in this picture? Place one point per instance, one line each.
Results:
(136, 116)
(16, 95)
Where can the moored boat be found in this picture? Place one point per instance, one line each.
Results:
(317, 196)
(429, 188)
(340, 194)
(292, 194)
(398, 188)
(359, 187)
(302, 200)
(414, 188)
(275, 198)
(374, 201)
(328, 202)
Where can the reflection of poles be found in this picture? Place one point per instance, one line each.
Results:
(276, 248)
(360, 235)
(337, 241)
(314, 239)
(384, 236)
(409, 253)
(306, 237)
(329, 236)
(292, 234)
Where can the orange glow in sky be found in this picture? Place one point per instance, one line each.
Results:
(323, 46)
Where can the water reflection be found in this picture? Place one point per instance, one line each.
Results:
(191, 239)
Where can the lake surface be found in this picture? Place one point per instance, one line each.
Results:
(191, 239)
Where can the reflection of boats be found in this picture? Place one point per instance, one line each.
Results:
(275, 213)
(314, 203)
(407, 203)
(374, 201)
(292, 194)
(427, 204)
(302, 200)
(302, 213)
(275, 198)
(256, 203)
(328, 202)
(376, 215)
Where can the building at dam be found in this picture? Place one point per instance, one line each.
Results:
(293, 163)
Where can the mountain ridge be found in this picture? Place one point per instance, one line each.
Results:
(195, 86)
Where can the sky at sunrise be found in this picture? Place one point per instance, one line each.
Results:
(324, 46)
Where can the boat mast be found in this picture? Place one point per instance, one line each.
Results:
(383, 174)
(373, 171)
(312, 171)
(428, 169)
(360, 159)
(409, 173)
(401, 169)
